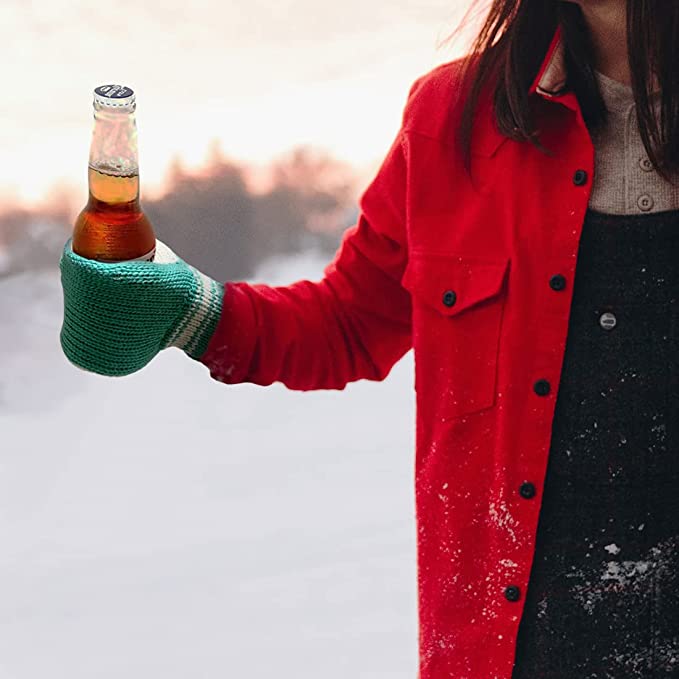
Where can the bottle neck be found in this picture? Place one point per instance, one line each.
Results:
(114, 162)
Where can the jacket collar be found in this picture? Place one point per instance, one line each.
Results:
(550, 84)
(551, 78)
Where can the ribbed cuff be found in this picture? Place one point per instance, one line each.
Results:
(198, 325)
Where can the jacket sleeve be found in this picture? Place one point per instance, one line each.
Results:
(355, 323)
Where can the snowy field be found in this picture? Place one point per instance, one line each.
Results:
(168, 526)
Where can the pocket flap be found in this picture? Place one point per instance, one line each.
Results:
(452, 283)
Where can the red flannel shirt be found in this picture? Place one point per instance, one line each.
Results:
(476, 275)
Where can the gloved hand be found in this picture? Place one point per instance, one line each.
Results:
(117, 317)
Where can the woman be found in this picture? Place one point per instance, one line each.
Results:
(548, 529)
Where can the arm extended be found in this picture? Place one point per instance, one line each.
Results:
(353, 324)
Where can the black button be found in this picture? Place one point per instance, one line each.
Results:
(527, 490)
(449, 297)
(580, 178)
(512, 593)
(557, 282)
(541, 387)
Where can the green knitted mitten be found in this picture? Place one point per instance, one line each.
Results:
(117, 317)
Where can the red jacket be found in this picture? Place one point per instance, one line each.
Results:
(476, 276)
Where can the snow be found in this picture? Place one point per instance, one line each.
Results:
(166, 525)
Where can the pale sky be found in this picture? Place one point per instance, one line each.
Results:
(258, 76)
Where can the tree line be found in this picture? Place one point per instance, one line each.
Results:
(213, 218)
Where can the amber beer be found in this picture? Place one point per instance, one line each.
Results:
(112, 227)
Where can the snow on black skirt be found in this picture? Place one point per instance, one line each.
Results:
(603, 596)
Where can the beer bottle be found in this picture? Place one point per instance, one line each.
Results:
(112, 226)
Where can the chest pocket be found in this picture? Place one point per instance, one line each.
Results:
(458, 303)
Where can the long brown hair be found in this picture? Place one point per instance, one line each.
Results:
(512, 43)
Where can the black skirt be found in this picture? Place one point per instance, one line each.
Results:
(603, 596)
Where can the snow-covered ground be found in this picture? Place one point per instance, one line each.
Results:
(168, 526)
